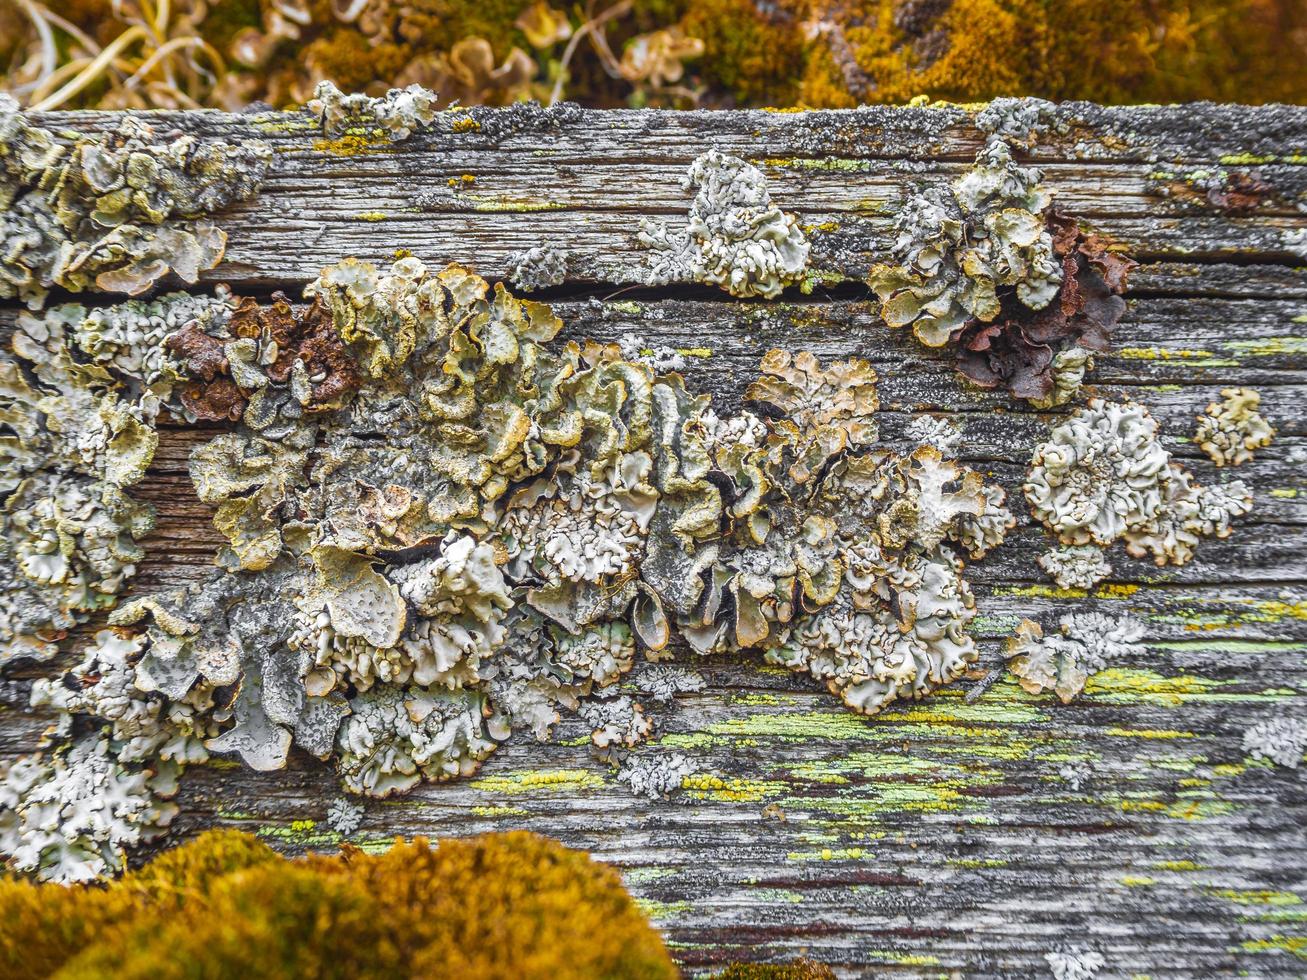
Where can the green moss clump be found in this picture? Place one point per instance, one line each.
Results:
(500, 906)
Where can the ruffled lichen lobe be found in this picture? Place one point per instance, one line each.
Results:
(114, 212)
(398, 114)
(1062, 662)
(1232, 430)
(1018, 290)
(1103, 475)
(735, 238)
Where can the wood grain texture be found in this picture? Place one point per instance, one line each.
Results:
(942, 837)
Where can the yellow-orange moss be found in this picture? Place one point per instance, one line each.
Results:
(492, 908)
(754, 56)
(1118, 51)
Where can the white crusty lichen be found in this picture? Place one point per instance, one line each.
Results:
(735, 237)
(1075, 964)
(955, 248)
(655, 776)
(1280, 740)
(660, 357)
(1103, 475)
(935, 430)
(1079, 566)
(538, 267)
(113, 212)
(69, 816)
(443, 527)
(1062, 662)
(1231, 430)
(345, 816)
(399, 113)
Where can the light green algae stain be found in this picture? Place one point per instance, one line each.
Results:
(1119, 685)
(663, 911)
(1267, 346)
(539, 780)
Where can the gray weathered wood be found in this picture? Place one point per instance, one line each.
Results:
(941, 836)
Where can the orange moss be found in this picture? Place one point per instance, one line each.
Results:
(755, 57)
(491, 908)
(1116, 51)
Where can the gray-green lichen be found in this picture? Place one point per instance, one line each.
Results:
(735, 237)
(955, 248)
(1062, 662)
(538, 267)
(444, 527)
(1103, 475)
(1079, 566)
(113, 213)
(1231, 430)
(79, 396)
(399, 113)
(1020, 292)
(345, 816)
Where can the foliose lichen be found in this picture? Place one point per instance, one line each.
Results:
(345, 816)
(79, 397)
(113, 213)
(443, 527)
(398, 114)
(1104, 475)
(735, 237)
(70, 816)
(1062, 662)
(1079, 566)
(1282, 740)
(1231, 430)
(1018, 290)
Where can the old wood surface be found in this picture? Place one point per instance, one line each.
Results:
(942, 836)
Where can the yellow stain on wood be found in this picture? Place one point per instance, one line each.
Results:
(1148, 733)
(1297, 945)
(539, 780)
(1254, 896)
(733, 789)
(1195, 358)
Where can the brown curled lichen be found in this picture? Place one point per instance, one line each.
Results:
(275, 347)
(1020, 351)
(1019, 292)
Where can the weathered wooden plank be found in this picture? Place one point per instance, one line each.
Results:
(583, 179)
(979, 829)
